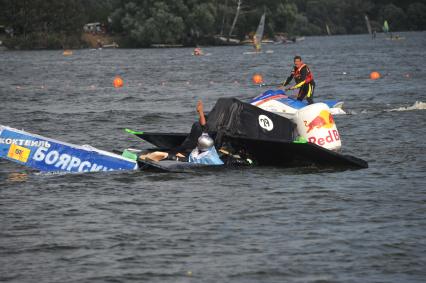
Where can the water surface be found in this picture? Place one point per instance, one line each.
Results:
(255, 225)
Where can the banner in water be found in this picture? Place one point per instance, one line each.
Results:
(50, 155)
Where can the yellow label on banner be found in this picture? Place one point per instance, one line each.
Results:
(18, 153)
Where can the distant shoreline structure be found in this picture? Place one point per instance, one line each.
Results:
(107, 41)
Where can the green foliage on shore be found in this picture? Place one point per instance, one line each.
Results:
(141, 23)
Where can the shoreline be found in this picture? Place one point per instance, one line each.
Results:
(113, 42)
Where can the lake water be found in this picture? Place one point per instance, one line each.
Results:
(244, 225)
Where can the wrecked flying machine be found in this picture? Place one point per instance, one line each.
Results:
(240, 131)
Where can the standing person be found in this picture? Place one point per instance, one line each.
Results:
(304, 79)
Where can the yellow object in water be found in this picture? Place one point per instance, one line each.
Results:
(67, 52)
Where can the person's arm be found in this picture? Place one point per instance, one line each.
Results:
(200, 111)
(289, 79)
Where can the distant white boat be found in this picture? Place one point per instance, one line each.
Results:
(112, 45)
(228, 41)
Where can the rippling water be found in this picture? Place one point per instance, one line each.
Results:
(251, 225)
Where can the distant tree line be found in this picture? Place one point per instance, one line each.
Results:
(141, 23)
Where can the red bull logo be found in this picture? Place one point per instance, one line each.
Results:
(326, 134)
(323, 120)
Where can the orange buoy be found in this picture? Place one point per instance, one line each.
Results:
(67, 52)
(375, 75)
(257, 79)
(118, 82)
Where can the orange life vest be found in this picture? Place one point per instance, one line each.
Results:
(297, 71)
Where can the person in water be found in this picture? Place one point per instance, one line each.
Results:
(304, 79)
(197, 51)
(205, 151)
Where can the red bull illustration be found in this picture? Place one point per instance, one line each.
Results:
(321, 129)
(324, 119)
